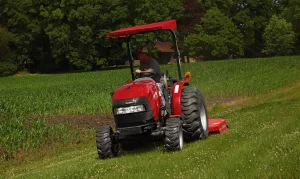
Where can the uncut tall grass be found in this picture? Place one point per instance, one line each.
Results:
(83, 93)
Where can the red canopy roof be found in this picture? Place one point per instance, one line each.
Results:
(165, 25)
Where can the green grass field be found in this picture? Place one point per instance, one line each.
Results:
(260, 98)
(89, 92)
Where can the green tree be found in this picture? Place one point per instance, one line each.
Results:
(291, 13)
(71, 34)
(252, 17)
(279, 37)
(225, 6)
(148, 11)
(216, 37)
(5, 38)
(90, 22)
(192, 15)
(6, 65)
(16, 15)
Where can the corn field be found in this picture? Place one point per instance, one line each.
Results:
(26, 100)
(16, 135)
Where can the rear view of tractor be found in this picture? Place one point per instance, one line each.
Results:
(136, 106)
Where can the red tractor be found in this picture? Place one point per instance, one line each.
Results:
(136, 106)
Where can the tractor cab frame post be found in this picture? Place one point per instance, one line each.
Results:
(177, 54)
(129, 51)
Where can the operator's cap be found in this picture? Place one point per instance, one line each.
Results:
(142, 50)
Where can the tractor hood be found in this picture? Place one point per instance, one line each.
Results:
(135, 89)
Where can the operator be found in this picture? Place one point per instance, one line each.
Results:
(150, 66)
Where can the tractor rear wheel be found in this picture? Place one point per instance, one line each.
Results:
(194, 112)
(107, 146)
(173, 134)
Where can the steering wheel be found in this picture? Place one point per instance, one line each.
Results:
(144, 74)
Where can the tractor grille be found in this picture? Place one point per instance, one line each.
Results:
(135, 119)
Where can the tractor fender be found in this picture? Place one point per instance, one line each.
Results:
(176, 98)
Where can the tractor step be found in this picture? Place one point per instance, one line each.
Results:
(217, 125)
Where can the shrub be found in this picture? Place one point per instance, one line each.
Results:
(7, 68)
(279, 37)
(216, 37)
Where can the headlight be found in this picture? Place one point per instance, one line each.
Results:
(131, 109)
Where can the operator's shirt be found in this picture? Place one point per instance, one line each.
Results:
(154, 66)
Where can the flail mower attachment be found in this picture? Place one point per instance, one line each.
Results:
(217, 125)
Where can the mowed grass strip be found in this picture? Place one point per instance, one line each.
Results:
(84, 93)
(263, 142)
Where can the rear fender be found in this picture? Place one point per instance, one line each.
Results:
(176, 98)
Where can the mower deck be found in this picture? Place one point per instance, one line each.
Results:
(217, 125)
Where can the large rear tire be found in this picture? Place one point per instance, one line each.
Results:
(173, 134)
(194, 112)
(107, 146)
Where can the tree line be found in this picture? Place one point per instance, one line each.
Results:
(66, 35)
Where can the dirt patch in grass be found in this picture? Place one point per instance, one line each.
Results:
(82, 120)
(229, 100)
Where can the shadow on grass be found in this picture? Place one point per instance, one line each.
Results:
(135, 147)
(144, 145)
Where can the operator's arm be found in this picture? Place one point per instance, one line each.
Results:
(145, 71)
(148, 71)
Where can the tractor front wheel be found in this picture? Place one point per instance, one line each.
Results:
(173, 134)
(194, 112)
(107, 146)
